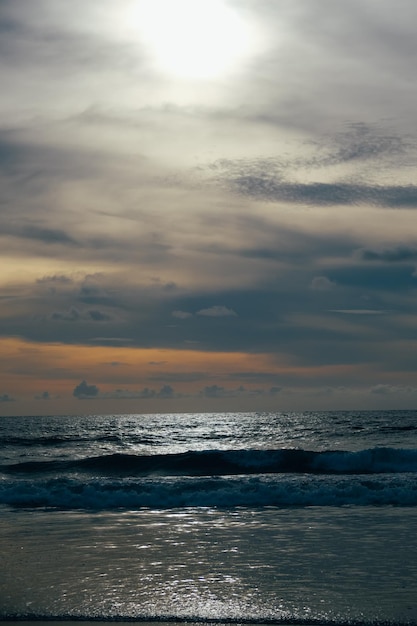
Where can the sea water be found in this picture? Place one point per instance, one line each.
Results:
(244, 517)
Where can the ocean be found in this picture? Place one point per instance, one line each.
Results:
(297, 518)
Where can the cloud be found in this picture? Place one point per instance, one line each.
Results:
(73, 315)
(98, 316)
(217, 391)
(217, 311)
(43, 396)
(83, 391)
(359, 311)
(279, 179)
(274, 390)
(326, 194)
(44, 235)
(399, 254)
(214, 391)
(360, 142)
(112, 341)
(127, 394)
(166, 392)
(386, 390)
(321, 283)
(181, 315)
(6, 398)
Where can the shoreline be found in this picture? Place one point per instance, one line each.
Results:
(125, 621)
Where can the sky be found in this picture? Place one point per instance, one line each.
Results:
(207, 205)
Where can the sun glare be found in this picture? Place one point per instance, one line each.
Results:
(192, 39)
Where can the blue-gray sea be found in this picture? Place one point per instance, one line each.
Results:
(243, 517)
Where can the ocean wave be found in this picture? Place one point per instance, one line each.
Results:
(287, 490)
(229, 463)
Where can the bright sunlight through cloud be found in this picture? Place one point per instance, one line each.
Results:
(193, 39)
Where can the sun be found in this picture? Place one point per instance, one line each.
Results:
(192, 39)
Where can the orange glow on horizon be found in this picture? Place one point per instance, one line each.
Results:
(33, 367)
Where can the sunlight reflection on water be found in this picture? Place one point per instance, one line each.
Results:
(302, 564)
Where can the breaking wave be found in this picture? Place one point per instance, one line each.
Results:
(229, 463)
(233, 491)
(282, 478)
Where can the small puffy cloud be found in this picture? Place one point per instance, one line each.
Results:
(322, 283)
(147, 393)
(55, 284)
(166, 392)
(83, 390)
(45, 396)
(127, 394)
(217, 311)
(214, 391)
(181, 315)
(6, 398)
(382, 389)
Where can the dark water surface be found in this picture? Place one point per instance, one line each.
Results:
(299, 517)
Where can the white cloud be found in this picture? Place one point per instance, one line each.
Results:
(322, 283)
(181, 315)
(217, 311)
